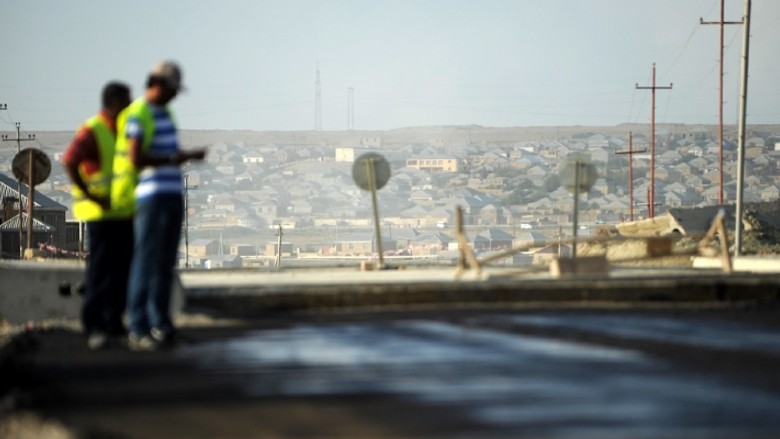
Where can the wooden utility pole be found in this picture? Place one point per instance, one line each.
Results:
(652, 88)
(743, 88)
(721, 23)
(279, 248)
(187, 188)
(630, 153)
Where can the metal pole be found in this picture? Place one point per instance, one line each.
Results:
(370, 165)
(30, 200)
(279, 248)
(652, 149)
(720, 107)
(186, 223)
(743, 89)
(576, 207)
(630, 176)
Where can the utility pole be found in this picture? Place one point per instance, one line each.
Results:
(630, 153)
(187, 188)
(186, 223)
(279, 247)
(652, 88)
(19, 141)
(318, 101)
(721, 23)
(743, 88)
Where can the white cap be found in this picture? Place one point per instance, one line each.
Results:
(168, 71)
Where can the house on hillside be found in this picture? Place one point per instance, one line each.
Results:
(491, 215)
(529, 240)
(429, 244)
(222, 261)
(252, 158)
(491, 240)
(360, 244)
(243, 250)
(204, 247)
(434, 163)
(770, 193)
(547, 254)
(49, 220)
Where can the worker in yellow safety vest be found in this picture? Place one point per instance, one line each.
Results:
(88, 161)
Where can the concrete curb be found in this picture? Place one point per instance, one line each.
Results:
(656, 287)
(41, 290)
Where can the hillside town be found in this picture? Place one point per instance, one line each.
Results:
(257, 199)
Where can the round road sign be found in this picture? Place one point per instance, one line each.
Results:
(41, 166)
(362, 167)
(586, 174)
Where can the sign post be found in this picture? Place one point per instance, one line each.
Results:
(32, 166)
(371, 172)
(576, 176)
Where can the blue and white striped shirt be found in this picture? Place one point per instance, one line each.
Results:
(161, 179)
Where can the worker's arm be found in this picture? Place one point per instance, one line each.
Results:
(142, 159)
(83, 151)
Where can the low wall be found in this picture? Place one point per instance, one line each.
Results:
(34, 291)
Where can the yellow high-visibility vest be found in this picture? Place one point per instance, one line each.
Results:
(125, 174)
(98, 182)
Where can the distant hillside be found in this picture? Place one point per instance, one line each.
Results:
(57, 140)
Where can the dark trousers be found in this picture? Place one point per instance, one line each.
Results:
(108, 267)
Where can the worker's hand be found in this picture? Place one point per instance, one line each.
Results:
(197, 154)
(103, 202)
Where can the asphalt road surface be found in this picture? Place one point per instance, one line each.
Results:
(564, 372)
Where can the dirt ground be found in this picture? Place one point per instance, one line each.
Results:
(761, 237)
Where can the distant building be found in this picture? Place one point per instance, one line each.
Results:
(272, 248)
(349, 154)
(492, 240)
(434, 163)
(242, 250)
(222, 261)
(359, 244)
(371, 142)
(49, 223)
(548, 253)
(204, 247)
(429, 244)
(345, 155)
(253, 158)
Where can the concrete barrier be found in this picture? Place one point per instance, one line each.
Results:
(32, 290)
(39, 290)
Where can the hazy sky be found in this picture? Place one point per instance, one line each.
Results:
(252, 64)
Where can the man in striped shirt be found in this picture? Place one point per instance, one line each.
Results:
(153, 146)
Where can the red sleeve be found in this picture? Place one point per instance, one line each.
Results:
(83, 150)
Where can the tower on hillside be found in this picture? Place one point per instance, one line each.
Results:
(318, 102)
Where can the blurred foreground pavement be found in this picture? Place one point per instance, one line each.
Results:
(642, 354)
